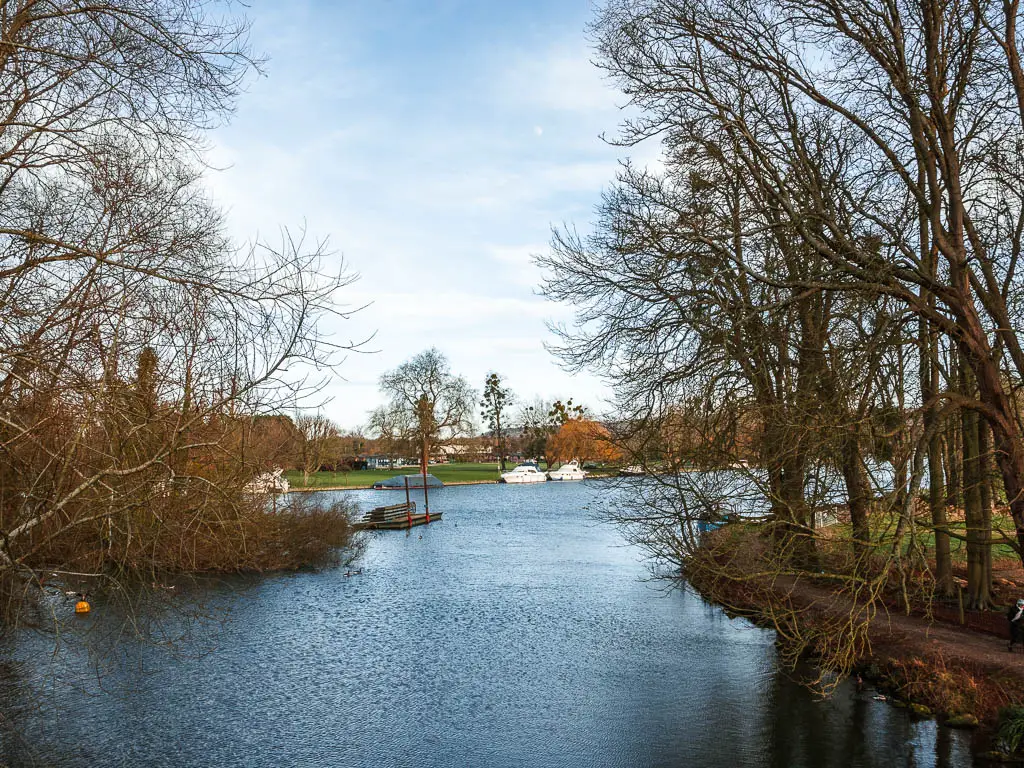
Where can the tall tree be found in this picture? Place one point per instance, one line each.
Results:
(926, 102)
(439, 404)
(497, 399)
(317, 433)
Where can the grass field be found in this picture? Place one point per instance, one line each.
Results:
(958, 546)
(446, 473)
(884, 524)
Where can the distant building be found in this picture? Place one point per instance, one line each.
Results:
(467, 449)
(387, 462)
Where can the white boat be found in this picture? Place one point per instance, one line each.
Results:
(568, 471)
(633, 470)
(268, 482)
(524, 473)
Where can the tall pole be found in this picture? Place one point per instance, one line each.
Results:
(426, 498)
(408, 504)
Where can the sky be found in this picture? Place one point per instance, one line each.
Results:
(434, 144)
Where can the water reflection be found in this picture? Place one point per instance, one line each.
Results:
(516, 632)
(852, 729)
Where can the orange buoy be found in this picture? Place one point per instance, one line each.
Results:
(82, 607)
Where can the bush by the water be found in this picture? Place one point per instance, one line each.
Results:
(1011, 729)
(178, 532)
(309, 537)
(208, 534)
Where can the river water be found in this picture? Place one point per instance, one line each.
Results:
(518, 631)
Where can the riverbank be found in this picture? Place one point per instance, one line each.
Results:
(449, 474)
(369, 487)
(962, 675)
(470, 473)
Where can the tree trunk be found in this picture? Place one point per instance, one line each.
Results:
(940, 523)
(929, 374)
(858, 497)
(985, 492)
(903, 451)
(978, 585)
(792, 513)
(501, 441)
(953, 464)
(1001, 414)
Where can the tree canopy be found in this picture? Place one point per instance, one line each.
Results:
(497, 399)
(430, 403)
(582, 439)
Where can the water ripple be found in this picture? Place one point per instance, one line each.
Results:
(535, 642)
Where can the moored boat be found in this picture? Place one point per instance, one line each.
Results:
(397, 483)
(568, 471)
(268, 482)
(524, 473)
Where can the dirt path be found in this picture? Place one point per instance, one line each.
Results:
(949, 640)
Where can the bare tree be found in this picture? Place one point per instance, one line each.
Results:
(925, 101)
(137, 340)
(317, 433)
(392, 427)
(437, 405)
(535, 425)
(840, 201)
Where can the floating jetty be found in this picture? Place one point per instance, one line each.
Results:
(395, 517)
(415, 482)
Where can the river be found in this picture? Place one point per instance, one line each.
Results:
(518, 631)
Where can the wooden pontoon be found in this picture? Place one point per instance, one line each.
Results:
(395, 517)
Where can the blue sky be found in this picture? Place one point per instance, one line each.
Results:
(435, 144)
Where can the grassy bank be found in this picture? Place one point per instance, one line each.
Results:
(447, 473)
(364, 478)
(884, 522)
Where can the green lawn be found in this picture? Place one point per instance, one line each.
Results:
(446, 473)
(958, 546)
(883, 527)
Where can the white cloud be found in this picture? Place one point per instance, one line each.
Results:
(515, 264)
(561, 78)
(439, 199)
(446, 307)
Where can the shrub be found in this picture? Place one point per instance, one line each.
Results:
(1010, 732)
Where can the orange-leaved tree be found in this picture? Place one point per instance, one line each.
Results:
(582, 439)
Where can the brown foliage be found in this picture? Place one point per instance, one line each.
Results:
(582, 439)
